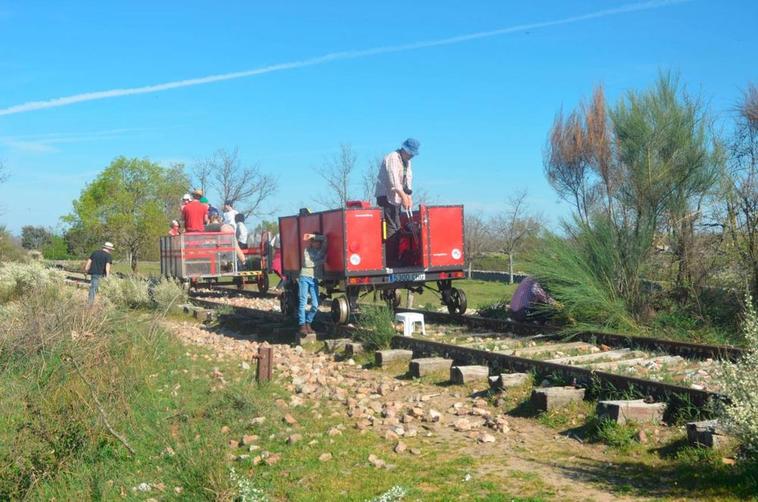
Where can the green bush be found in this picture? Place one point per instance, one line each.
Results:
(129, 292)
(375, 327)
(739, 381)
(56, 249)
(168, 293)
(31, 278)
(588, 276)
(10, 249)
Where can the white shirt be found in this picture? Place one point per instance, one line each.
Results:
(229, 216)
(241, 233)
(391, 176)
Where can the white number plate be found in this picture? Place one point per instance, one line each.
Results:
(412, 277)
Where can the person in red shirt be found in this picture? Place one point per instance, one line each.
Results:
(195, 213)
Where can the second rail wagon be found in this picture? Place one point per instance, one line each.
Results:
(199, 258)
(427, 254)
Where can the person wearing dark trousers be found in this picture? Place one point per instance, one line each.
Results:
(98, 266)
(394, 189)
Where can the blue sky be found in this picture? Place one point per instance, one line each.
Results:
(481, 107)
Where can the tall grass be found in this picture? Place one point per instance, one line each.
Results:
(592, 277)
(375, 327)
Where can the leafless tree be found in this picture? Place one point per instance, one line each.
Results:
(477, 239)
(513, 227)
(201, 174)
(246, 187)
(337, 172)
(742, 186)
(3, 172)
(369, 178)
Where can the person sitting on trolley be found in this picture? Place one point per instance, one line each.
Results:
(174, 229)
(195, 213)
(311, 271)
(240, 230)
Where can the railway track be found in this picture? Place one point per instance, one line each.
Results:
(505, 346)
(541, 355)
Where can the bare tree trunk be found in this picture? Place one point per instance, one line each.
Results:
(510, 268)
(470, 266)
(409, 300)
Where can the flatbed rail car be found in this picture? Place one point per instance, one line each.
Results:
(205, 258)
(428, 250)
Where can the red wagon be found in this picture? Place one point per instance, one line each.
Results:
(208, 257)
(428, 250)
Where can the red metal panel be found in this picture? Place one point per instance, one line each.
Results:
(445, 233)
(332, 225)
(364, 240)
(290, 244)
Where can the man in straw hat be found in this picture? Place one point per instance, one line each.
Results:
(98, 266)
(195, 213)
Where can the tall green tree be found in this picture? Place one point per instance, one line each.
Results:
(35, 237)
(131, 204)
(640, 169)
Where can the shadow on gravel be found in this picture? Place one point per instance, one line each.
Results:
(700, 480)
(525, 409)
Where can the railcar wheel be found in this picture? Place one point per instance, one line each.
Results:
(456, 302)
(340, 310)
(263, 283)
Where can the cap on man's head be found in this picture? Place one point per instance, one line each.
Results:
(197, 192)
(108, 246)
(411, 146)
(186, 196)
(204, 200)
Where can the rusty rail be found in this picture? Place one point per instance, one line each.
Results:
(581, 376)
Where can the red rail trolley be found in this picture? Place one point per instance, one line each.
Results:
(428, 249)
(207, 257)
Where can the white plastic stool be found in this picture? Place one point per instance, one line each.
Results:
(409, 320)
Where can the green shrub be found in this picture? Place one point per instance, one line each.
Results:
(375, 327)
(739, 381)
(10, 249)
(129, 292)
(607, 431)
(168, 293)
(589, 278)
(31, 278)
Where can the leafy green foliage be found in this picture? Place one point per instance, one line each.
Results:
(740, 383)
(131, 204)
(375, 329)
(10, 249)
(56, 249)
(35, 237)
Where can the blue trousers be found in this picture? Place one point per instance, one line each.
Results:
(308, 286)
(93, 285)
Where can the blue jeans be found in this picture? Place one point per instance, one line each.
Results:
(307, 286)
(93, 285)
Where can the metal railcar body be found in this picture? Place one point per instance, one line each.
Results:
(208, 257)
(427, 250)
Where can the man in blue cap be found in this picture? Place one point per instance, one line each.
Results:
(394, 185)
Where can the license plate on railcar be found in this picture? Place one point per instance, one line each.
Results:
(410, 277)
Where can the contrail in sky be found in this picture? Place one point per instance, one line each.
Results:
(328, 58)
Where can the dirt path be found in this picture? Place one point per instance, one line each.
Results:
(444, 420)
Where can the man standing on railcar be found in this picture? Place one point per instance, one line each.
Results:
(394, 187)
